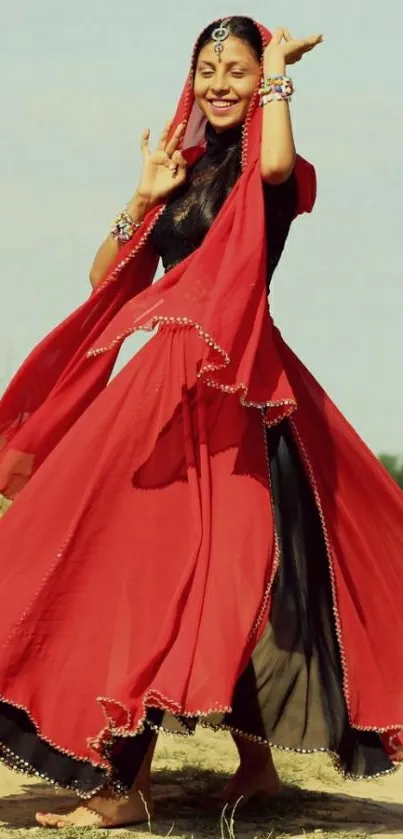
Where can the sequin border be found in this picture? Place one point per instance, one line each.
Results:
(329, 551)
(12, 760)
(242, 387)
(108, 736)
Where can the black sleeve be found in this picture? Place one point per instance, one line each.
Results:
(281, 202)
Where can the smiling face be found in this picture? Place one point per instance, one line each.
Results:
(224, 88)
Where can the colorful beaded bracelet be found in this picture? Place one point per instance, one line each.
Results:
(124, 227)
(276, 88)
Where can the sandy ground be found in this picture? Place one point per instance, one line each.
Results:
(316, 800)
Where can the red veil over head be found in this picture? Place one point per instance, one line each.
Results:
(220, 291)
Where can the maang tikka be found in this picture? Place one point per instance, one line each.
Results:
(220, 34)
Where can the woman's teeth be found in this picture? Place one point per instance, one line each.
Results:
(222, 105)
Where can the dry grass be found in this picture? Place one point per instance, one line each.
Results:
(187, 768)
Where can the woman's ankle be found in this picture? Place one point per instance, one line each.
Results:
(253, 757)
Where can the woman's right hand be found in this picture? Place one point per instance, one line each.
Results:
(165, 169)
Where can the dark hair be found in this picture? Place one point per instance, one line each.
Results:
(240, 27)
(229, 168)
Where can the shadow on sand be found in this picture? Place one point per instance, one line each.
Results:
(179, 812)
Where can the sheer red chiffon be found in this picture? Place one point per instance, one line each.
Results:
(137, 562)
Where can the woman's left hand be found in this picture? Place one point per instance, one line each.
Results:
(291, 49)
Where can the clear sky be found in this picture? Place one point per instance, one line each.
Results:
(80, 81)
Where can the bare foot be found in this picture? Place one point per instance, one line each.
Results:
(102, 811)
(248, 784)
(245, 786)
(256, 775)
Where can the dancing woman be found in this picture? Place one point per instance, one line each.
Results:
(203, 539)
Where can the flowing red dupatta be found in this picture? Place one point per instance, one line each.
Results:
(220, 293)
(220, 290)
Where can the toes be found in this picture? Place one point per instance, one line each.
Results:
(48, 820)
(41, 818)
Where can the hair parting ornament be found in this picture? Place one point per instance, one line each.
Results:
(219, 35)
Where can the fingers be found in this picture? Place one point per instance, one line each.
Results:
(281, 34)
(174, 163)
(296, 48)
(277, 35)
(313, 40)
(177, 162)
(175, 139)
(304, 44)
(164, 136)
(164, 146)
(287, 35)
(308, 44)
(145, 137)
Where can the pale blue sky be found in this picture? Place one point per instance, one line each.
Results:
(80, 81)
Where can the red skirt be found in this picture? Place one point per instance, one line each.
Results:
(138, 564)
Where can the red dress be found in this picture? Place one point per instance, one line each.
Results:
(147, 564)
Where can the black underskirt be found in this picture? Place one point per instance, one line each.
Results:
(291, 692)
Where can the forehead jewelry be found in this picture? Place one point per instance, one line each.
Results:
(220, 35)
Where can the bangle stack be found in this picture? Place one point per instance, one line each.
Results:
(276, 89)
(124, 227)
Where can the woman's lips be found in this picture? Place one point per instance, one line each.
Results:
(222, 106)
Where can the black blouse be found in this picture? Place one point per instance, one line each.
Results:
(180, 229)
